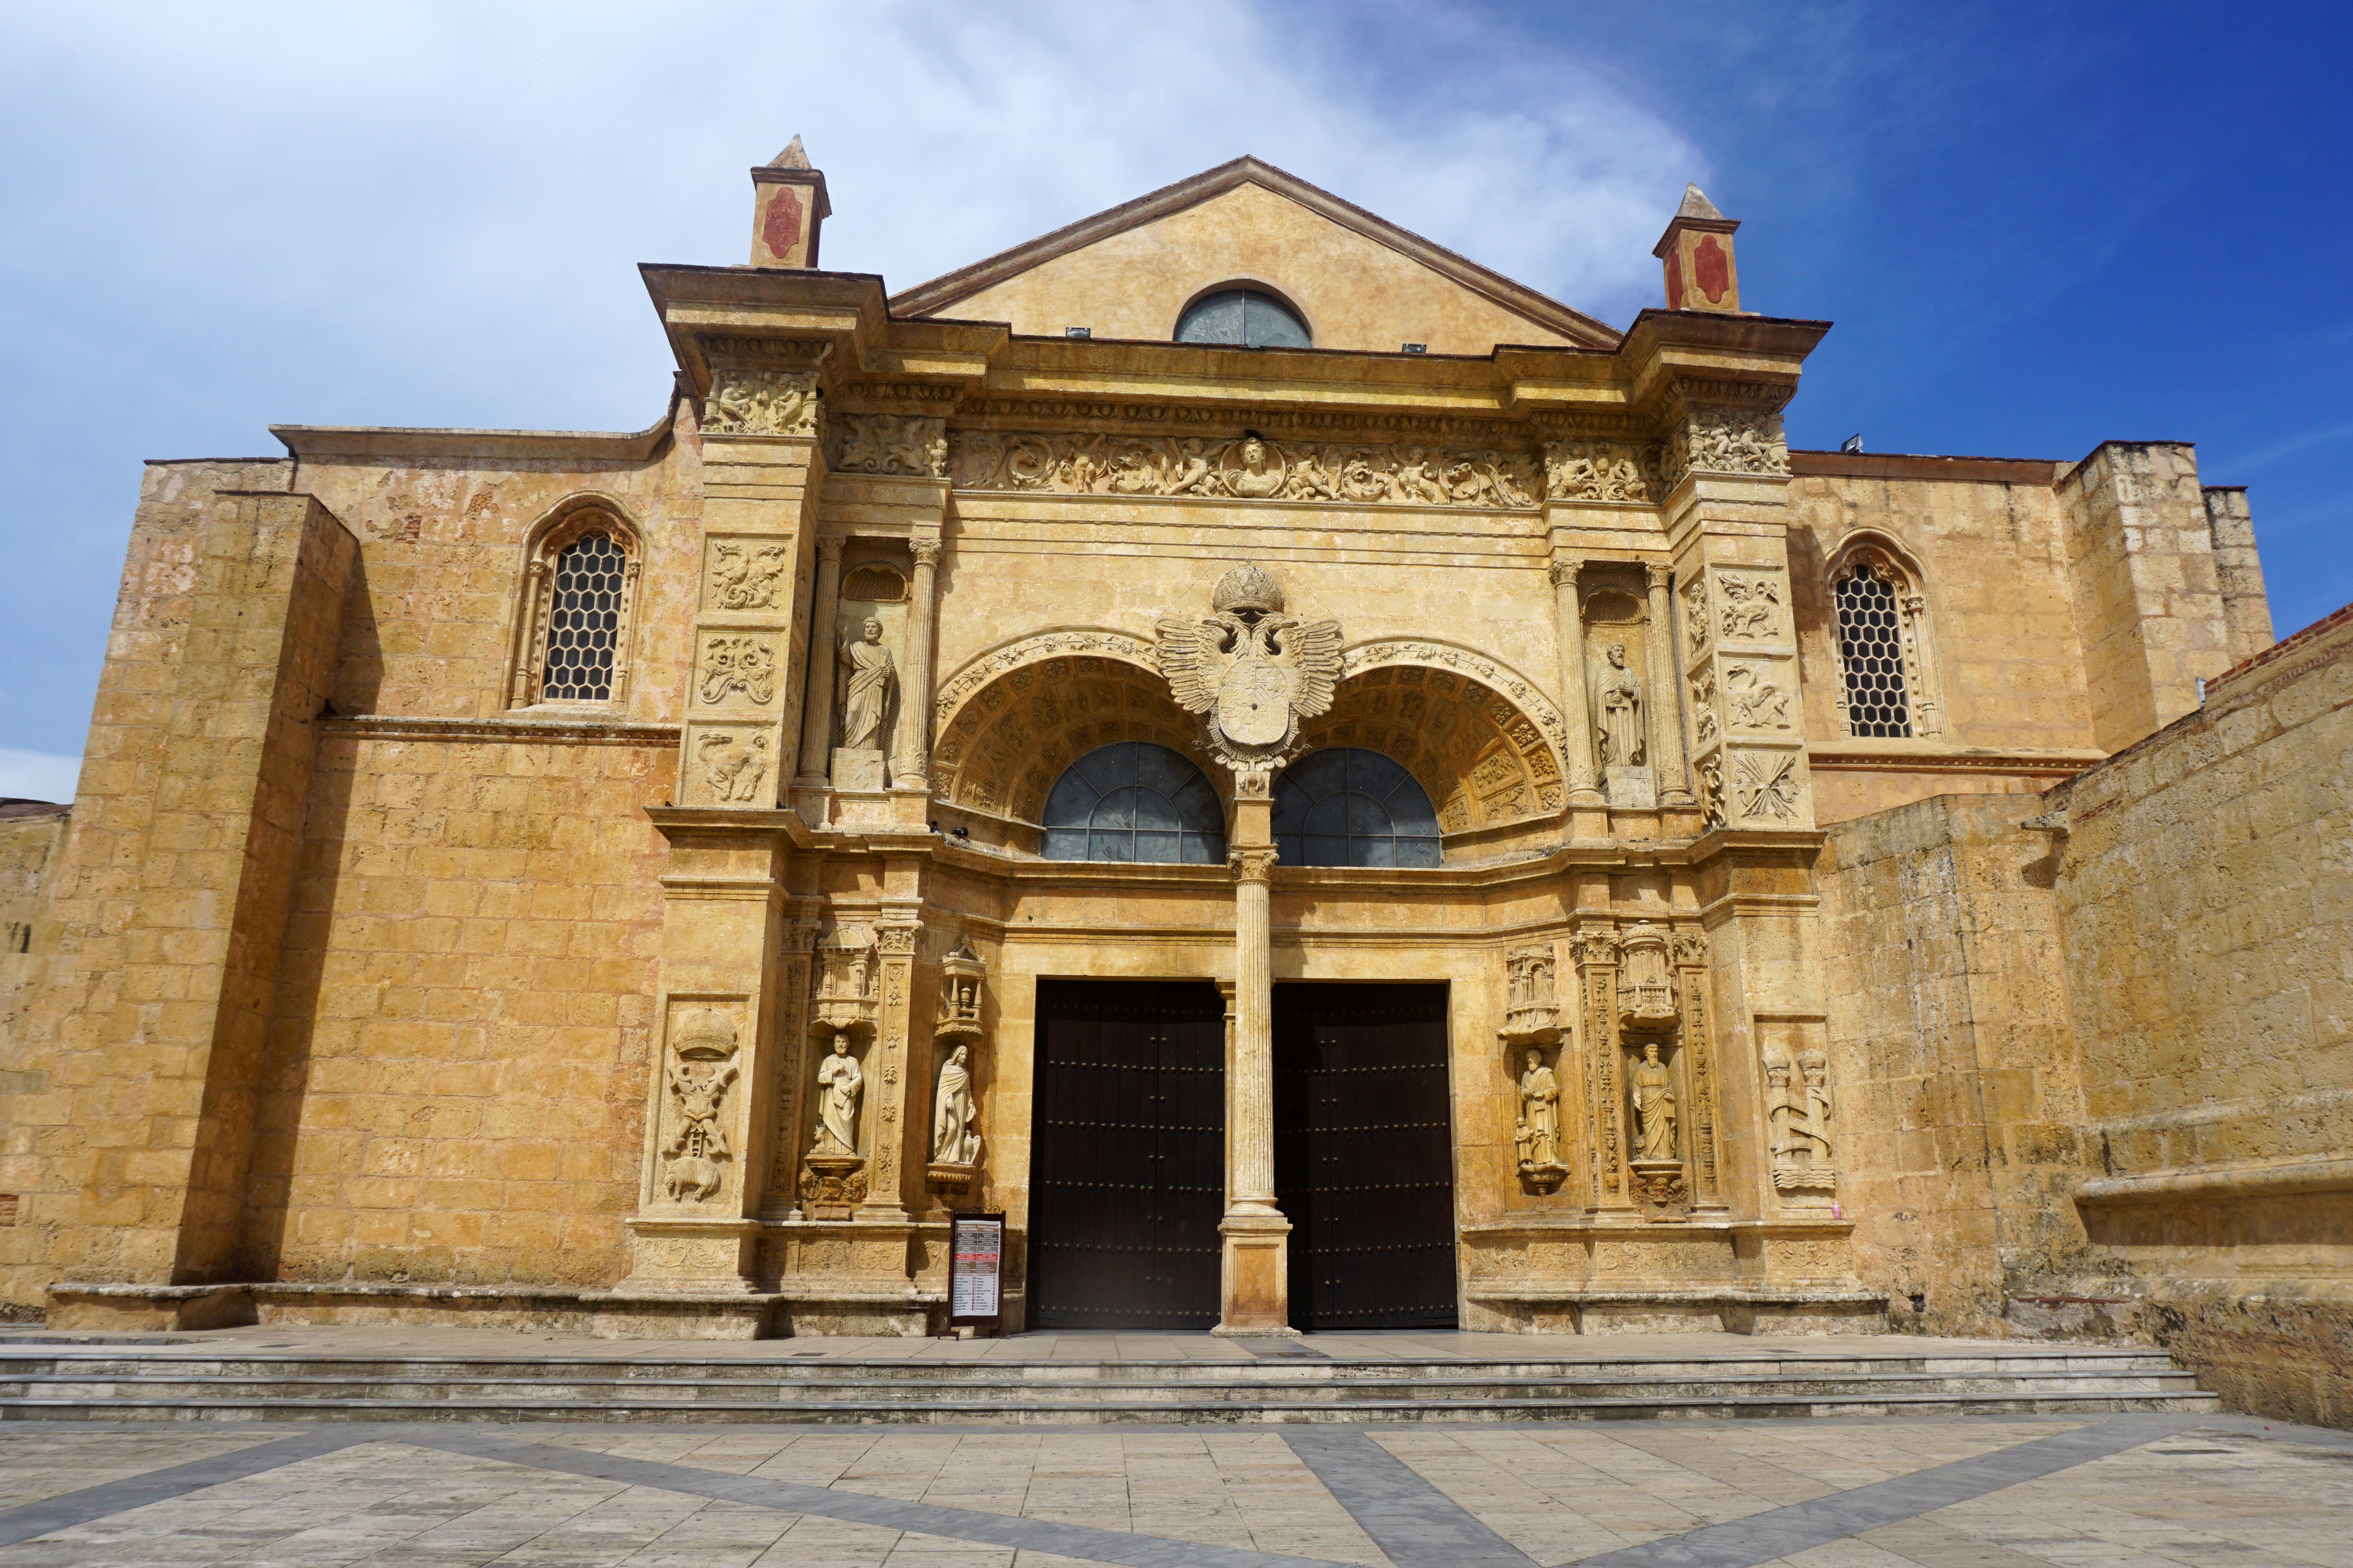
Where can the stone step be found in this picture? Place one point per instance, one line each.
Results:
(1022, 1413)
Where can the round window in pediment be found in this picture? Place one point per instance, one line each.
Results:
(1245, 318)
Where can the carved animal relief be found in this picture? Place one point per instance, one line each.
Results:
(1756, 702)
(733, 765)
(761, 403)
(1752, 605)
(1727, 441)
(1250, 469)
(738, 666)
(1253, 670)
(703, 1068)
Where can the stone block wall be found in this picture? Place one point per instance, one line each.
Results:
(2205, 890)
(1953, 1058)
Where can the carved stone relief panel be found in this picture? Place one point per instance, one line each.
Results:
(1725, 441)
(1754, 605)
(1768, 790)
(909, 443)
(1246, 468)
(750, 401)
(728, 765)
(1746, 721)
(1596, 468)
(696, 1147)
(1759, 693)
(735, 668)
(1800, 1113)
(747, 575)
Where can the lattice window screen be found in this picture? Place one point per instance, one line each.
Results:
(1871, 653)
(583, 626)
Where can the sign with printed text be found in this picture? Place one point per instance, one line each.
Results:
(977, 1269)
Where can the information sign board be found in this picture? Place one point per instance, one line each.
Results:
(976, 1270)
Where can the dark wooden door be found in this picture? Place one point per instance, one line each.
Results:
(1364, 1156)
(1128, 1165)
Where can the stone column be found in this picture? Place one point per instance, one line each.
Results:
(1667, 761)
(1585, 797)
(1256, 1274)
(817, 717)
(910, 750)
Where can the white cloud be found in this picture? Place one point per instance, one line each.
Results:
(37, 775)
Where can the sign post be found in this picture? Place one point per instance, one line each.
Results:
(977, 1272)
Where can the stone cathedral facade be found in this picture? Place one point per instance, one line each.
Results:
(1303, 773)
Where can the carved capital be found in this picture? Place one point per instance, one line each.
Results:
(926, 552)
(829, 546)
(1253, 865)
(897, 939)
(1655, 573)
(1564, 572)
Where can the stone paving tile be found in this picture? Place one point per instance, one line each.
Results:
(43, 1462)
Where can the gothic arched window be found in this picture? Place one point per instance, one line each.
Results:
(1134, 801)
(1885, 690)
(1347, 807)
(574, 621)
(1248, 317)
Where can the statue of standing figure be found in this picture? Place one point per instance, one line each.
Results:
(839, 1081)
(955, 1132)
(1654, 1105)
(1621, 713)
(1538, 1134)
(868, 676)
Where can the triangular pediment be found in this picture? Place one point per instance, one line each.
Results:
(1362, 282)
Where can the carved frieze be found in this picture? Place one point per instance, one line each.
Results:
(1727, 441)
(744, 401)
(887, 443)
(1601, 470)
(736, 666)
(1249, 468)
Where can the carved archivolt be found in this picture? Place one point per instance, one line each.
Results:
(1249, 468)
(887, 443)
(1499, 678)
(1482, 759)
(959, 688)
(1011, 739)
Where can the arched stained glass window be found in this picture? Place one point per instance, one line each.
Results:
(1871, 653)
(1345, 806)
(583, 621)
(1247, 317)
(1134, 801)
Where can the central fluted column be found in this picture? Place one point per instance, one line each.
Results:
(909, 755)
(1667, 757)
(1255, 1279)
(817, 717)
(1588, 808)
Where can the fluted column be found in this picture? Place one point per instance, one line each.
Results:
(1667, 759)
(910, 755)
(1256, 1274)
(816, 714)
(1576, 707)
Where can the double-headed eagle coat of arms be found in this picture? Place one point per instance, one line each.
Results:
(1253, 670)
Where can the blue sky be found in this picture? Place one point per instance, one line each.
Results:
(2037, 226)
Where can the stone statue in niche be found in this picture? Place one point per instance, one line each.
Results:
(1654, 1106)
(1620, 700)
(868, 676)
(839, 1081)
(955, 1119)
(1801, 1113)
(701, 1069)
(1537, 1135)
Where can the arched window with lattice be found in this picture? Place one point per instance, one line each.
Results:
(580, 582)
(1886, 686)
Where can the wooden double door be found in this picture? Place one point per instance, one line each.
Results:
(1127, 1154)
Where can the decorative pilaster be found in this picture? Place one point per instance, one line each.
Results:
(817, 715)
(1595, 950)
(910, 755)
(888, 1067)
(1667, 760)
(796, 946)
(1690, 954)
(1576, 707)
(1256, 1275)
